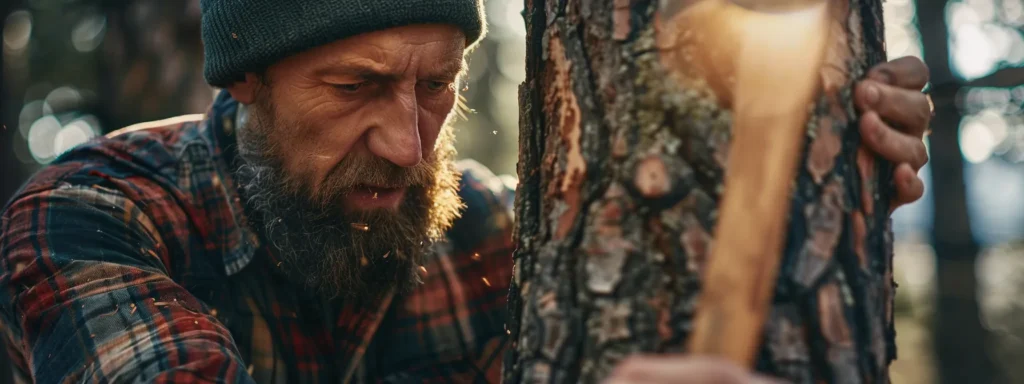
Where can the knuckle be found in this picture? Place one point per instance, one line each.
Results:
(920, 155)
(922, 69)
(918, 112)
(922, 103)
(910, 193)
(884, 92)
(912, 69)
(918, 190)
(882, 73)
(912, 62)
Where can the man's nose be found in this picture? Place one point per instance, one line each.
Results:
(397, 138)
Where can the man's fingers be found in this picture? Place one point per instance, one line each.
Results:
(906, 108)
(909, 187)
(892, 93)
(891, 144)
(905, 72)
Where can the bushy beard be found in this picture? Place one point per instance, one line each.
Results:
(328, 250)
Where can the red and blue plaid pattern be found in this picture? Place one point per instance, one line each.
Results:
(130, 259)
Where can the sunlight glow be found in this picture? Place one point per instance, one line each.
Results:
(901, 35)
(982, 135)
(983, 36)
(973, 53)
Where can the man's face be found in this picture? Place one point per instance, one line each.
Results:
(347, 155)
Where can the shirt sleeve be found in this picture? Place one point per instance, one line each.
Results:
(85, 296)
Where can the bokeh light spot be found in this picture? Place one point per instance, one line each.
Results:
(62, 99)
(17, 31)
(88, 33)
(30, 112)
(977, 141)
(41, 138)
(973, 53)
(73, 134)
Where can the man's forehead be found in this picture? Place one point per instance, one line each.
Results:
(393, 65)
(446, 68)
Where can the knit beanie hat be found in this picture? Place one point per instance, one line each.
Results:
(247, 35)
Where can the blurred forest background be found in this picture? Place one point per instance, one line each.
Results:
(75, 69)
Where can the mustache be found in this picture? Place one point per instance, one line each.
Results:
(361, 171)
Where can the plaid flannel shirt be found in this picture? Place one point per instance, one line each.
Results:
(130, 259)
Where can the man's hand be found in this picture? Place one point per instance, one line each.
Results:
(895, 117)
(683, 370)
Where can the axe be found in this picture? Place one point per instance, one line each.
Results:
(780, 48)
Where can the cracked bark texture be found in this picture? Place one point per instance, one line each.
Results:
(622, 155)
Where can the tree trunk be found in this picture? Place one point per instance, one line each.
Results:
(961, 342)
(623, 147)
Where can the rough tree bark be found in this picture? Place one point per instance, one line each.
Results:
(623, 146)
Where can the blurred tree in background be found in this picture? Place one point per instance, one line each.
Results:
(963, 346)
(74, 69)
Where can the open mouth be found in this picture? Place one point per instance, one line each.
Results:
(376, 189)
(375, 196)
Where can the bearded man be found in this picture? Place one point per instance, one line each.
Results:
(312, 226)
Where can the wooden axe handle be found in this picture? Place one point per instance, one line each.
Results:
(777, 77)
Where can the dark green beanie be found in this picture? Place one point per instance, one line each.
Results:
(247, 35)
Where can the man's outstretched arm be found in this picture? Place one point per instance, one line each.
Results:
(85, 296)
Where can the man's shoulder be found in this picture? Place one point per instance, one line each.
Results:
(143, 179)
(142, 158)
(488, 200)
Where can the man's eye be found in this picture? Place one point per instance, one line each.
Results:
(353, 87)
(436, 85)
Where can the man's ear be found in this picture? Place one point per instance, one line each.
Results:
(245, 91)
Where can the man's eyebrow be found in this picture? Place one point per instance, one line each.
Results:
(450, 70)
(355, 68)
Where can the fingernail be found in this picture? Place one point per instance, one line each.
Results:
(871, 94)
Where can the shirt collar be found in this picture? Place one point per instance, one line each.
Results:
(234, 233)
